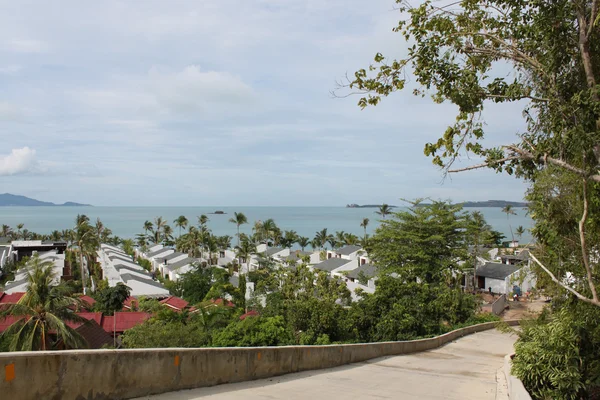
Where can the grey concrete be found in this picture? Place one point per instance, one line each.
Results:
(469, 368)
(516, 390)
(124, 374)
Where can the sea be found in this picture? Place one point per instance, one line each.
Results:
(127, 222)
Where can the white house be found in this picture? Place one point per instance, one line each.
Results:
(350, 252)
(502, 278)
(334, 266)
(5, 254)
(19, 284)
(297, 255)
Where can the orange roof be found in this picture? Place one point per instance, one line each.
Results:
(88, 300)
(6, 298)
(249, 314)
(8, 321)
(130, 302)
(95, 316)
(222, 302)
(175, 303)
(122, 321)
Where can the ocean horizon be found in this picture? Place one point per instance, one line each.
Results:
(127, 222)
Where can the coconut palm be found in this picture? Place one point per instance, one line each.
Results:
(269, 230)
(245, 251)
(181, 222)
(303, 241)
(191, 242)
(384, 210)
(148, 227)
(159, 225)
(351, 239)
(6, 231)
(364, 224)
(238, 219)
(289, 238)
(167, 235)
(85, 239)
(19, 228)
(322, 237)
(508, 210)
(42, 311)
(520, 231)
(203, 220)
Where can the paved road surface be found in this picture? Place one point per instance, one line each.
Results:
(470, 368)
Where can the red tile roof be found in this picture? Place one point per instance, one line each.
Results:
(8, 321)
(122, 321)
(87, 299)
(130, 302)
(175, 302)
(249, 314)
(6, 298)
(95, 316)
(220, 302)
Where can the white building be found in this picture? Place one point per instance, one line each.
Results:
(19, 284)
(502, 278)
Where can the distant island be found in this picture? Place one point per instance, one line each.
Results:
(13, 200)
(366, 206)
(487, 203)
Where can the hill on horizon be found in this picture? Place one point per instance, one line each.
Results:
(13, 200)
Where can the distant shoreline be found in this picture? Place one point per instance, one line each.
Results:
(466, 204)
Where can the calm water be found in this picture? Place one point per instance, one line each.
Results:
(128, 221)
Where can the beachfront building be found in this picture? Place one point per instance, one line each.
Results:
(503, 278)
(119, 267)
(350, 252)
(6, 254)
(27, 248)
(19, 283)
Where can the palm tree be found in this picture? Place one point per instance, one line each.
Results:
(167, 235)
(321, 238)
(191, 242)
(148, 227)
(245, 251)
(238, 219)
(159, 225)
(289, 238)
(303, 241)
(508, 210)
(43, 310)
(6, 231)
(364, 224)
(86, 242)
(181, 222)
(520, 231)
(19, 228)
(384, 210)
(269, 229)
(340, 238)
(203, 220)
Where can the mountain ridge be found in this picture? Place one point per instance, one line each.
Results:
(14, 200)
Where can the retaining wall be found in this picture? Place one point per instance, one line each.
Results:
(123, 374)
(516, 390)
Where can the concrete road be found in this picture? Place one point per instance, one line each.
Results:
(470, 368)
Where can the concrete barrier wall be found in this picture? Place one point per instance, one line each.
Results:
(123, 374)
(516, 390)
(499, 305)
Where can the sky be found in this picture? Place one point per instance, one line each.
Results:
(198, 103)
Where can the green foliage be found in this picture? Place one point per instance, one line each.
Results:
(424, 243)
(193, 286)
(159, 333)
(44, 309)
(254, 331)
(400, 310)
(111, 299)
(146, 264)
(558, 356)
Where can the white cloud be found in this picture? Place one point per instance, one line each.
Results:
(10, 69)
(27, 46)
(9, 112)
(19, 161)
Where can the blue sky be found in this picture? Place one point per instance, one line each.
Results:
(217, 103)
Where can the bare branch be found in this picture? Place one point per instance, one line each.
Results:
(486, 164)
(586, 258)
(561, 284)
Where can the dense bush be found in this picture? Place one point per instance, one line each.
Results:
(254, 331)
(558, 355)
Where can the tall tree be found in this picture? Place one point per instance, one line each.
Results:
(552, 48)
(180, 222)
(203, 220)
(86, 241)
(19, 229)
(303, 241)
(384, 210)
(111, 299)
(42, 312)
(520, 231)
(364, 224)
(238, 219)
(508, 210)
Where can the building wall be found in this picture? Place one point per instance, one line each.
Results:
(497, 285)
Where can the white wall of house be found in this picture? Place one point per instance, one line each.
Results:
(529, 280)
(497, 285)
